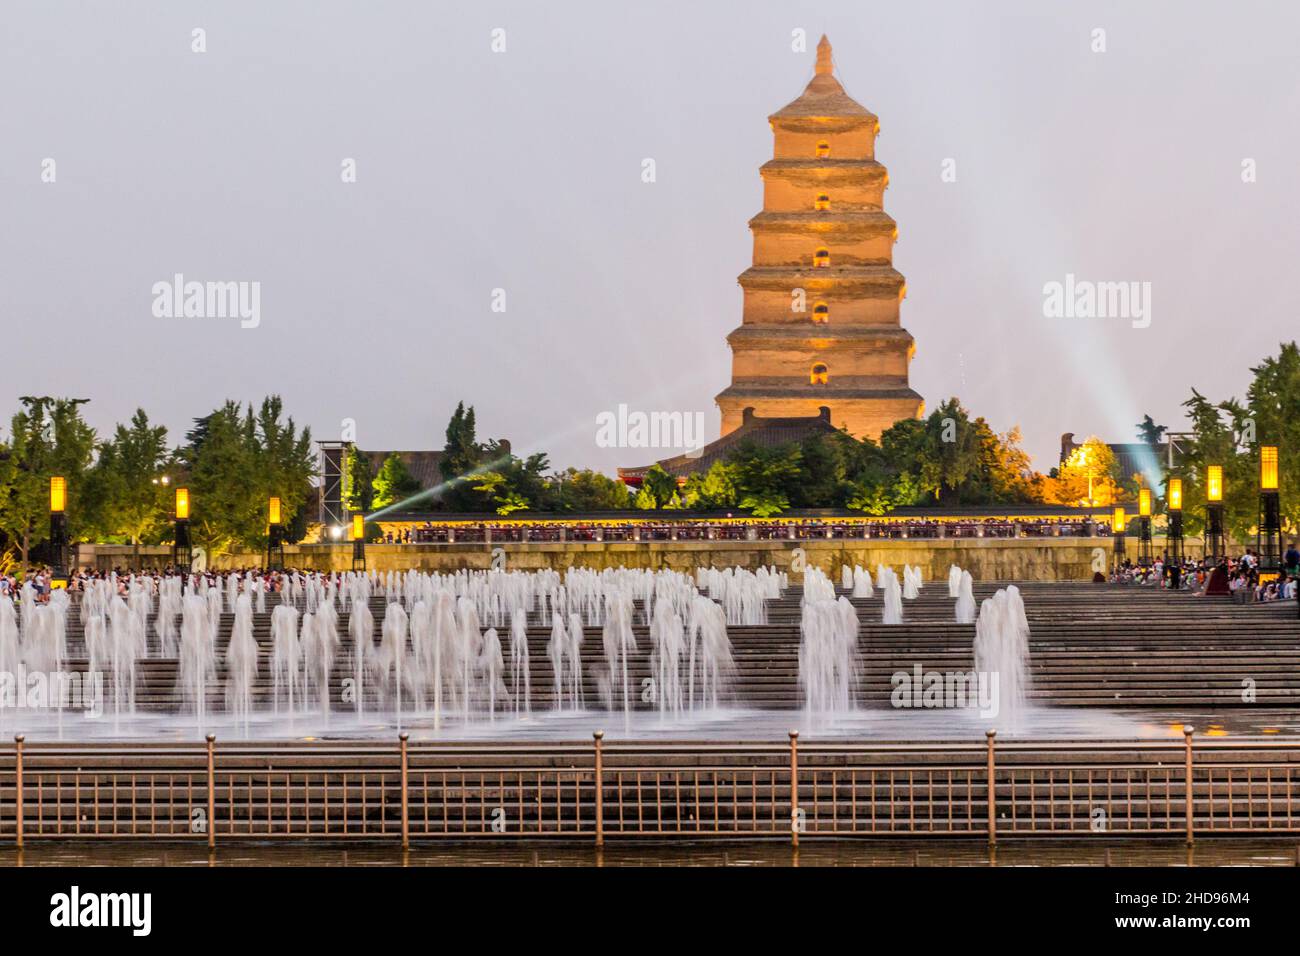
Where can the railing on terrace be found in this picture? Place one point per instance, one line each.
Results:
(686, 791)
(648, 531)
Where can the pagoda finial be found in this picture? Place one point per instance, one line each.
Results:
(824, 56)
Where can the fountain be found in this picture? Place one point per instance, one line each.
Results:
(286, 658)
(619, 644)
(892, 611)
(361, 629)
(197, 665)
(861, 583)
(520, 688)
(965, 607)
(241, 662)
(828, 658)
(954, 581)
(1002, 653)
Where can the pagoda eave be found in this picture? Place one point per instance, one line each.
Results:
(845, 222)
(878, 279)
(850, 337)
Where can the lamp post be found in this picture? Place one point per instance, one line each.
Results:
(1118, 525)
(182, 555)
(1214, 545)
(1174, 532)
(1144, 527)
(358, 542)
(274, 536)
(59, 528)
(1268, 534)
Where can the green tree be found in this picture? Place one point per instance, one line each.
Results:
(358, 481)
(1149, 432)
(462, 457)
(765, 476)
(587, 490)
(237, 461)
(660, 485)
(47, 438)
(394, 483)
(715, 489)
(130, 498)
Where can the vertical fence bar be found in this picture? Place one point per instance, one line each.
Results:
(406, 803)
(599, 737)
(18, 789)
(212, 791)
(992, 736)
(794, 788)
(1187, 767)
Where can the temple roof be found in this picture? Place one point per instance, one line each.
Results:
(823, 96)
(767, 432)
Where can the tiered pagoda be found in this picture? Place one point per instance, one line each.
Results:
(821, 325)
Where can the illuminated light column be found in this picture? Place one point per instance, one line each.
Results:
(274, 536)
(1174, 531)
(182, 555)
(1118, 525)
(1268, 534)
(1215, 550)
(59, 529)
(358, 542)
(1144, 527)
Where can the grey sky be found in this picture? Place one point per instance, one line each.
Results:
(521, 170)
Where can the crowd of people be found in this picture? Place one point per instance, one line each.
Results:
(674, 529)
(42, 579)
(1238, 577)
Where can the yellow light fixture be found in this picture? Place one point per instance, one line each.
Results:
(821, 259)
(1144, 502)
(822, 202)
(1118, 521)
(182, 504)
(1268, 468)
(358, 527)
(1214, 483)
(58, 494)
(1175, 494)
(823, 149)
(274, 510)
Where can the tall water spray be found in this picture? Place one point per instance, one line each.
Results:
(286, 659)
(1002, 650)
(241, 662)
(964, 609)
(198, 664)
(619, 643)
(892, 609)
(828, 657)
(520, 687)
(954, 581)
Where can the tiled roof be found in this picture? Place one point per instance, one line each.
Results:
(767, 432)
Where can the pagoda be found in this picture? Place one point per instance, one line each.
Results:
(821, 326)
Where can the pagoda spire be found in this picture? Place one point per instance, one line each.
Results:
(824, 57)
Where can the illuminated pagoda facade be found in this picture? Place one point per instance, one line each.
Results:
(821, 324)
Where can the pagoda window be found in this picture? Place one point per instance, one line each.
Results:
(820, 374)
(823, 149)
(822, 259)
(821, 313)
(822, 202)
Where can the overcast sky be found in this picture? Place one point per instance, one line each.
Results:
(521, 170)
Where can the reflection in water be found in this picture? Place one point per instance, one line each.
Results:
(875, 853)
(731, 724)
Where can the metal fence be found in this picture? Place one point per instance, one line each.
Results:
(595, 791)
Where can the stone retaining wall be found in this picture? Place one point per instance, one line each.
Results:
(1025, 559)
